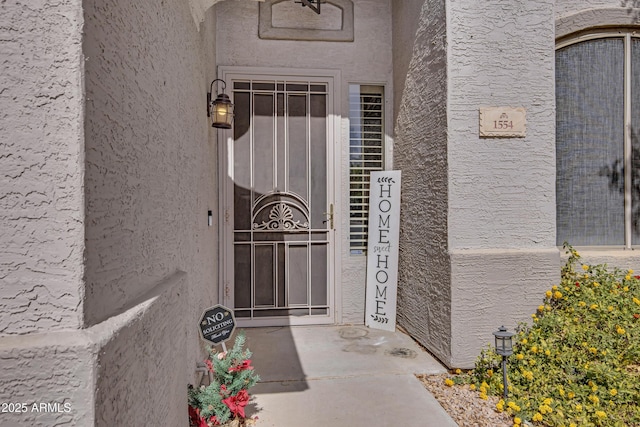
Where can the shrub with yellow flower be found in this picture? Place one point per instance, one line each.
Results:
(583, 340)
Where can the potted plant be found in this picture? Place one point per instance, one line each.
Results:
(223, 401)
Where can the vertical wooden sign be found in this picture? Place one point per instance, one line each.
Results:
(382, 250)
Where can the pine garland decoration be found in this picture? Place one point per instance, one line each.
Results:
(227, 395)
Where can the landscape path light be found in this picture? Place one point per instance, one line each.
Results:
(504, 347)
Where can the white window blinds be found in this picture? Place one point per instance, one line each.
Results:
(366, 154)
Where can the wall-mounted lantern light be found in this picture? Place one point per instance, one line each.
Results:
(220, 109)
(504, 347)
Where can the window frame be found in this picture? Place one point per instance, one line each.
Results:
(627, 34)
(386, 151)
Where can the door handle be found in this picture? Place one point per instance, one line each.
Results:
(329, 217)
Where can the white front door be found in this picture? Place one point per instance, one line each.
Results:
(278, 199)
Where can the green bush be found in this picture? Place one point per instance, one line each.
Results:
(578, 364)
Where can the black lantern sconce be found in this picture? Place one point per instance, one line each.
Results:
(504, 347)
(221, 109)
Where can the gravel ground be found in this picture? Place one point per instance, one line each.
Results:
(464, 405)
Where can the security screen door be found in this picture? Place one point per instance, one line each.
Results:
(282, 209)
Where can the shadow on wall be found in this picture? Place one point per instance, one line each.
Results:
(615, 175)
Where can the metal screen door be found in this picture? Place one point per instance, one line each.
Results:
(282, 212)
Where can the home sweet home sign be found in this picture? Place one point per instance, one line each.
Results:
(382, 250)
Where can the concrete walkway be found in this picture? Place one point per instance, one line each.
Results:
(341, 376)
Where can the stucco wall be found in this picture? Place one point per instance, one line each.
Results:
(568, 7)
(127, 368)
(151, 171)
(501, 191)
(405, 17)
(420, 151)
(140, 369)
(478, 213)
(41, 164)
(365, 60)
(121, 176)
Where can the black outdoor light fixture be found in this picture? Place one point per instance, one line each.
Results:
(504, 347)
(221, 109)
(311, 4)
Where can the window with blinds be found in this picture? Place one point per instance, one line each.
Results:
(366, 154)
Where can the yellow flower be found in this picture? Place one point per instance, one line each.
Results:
(517, 421)
(561, 391)
(636, 300)
(500, 406)
(554, 288)
(579, 407)
(573, 425)
(630, 271)
(528, 375)
(593, 350)
(547, 307)
(626, 289)
(483, 396)
(571, 395)
(448, 382)
(541, 308)
(537, 417)
(547, 352)
(524, 341)
(620, 330)
(594, 388)
(519, 356)
(534, 349)
(613, 392)
(595, 284)
(594, 399)
(585, 267)
(557, 294)
(593, 306)
(601, 414)
(627, 277)
(472, 387)
(582, 303)
(548, 294)
(458, 371)
(610, 308)
(547, 401)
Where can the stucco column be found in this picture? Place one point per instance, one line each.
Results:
(478, 238)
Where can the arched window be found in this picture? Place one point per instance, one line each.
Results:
(598, 140)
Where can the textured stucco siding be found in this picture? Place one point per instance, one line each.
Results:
(478, 214)
(495, 287)
(569, 7)
(41, 166)
(129, 368)
(151, 163)
(405, 20)
(54, 368)
(143, 366)
(501, 190)
(366, 60)
(420, 151)
(150, 175)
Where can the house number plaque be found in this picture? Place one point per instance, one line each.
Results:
(503, 122)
